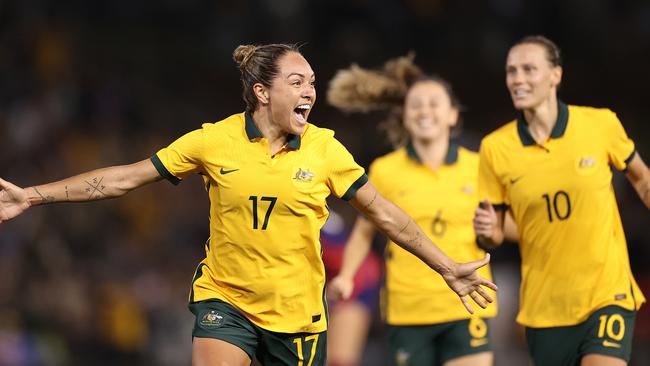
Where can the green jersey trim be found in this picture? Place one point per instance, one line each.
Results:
(354, 187)
(163, 171)
(252, 132)
(557, 132)
(450, 158)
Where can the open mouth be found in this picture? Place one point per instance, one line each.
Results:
(426, 122)
(518, 93)
(301, 112)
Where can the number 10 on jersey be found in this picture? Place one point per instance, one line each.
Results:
(560, 205)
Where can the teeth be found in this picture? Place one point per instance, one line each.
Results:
(304, 106)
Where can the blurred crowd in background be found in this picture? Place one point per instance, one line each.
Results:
(90, 84)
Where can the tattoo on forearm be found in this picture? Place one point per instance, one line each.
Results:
(48, 199)
(404, 228)
(67, 196)
(438, 268)
(414, 242)
(96, 189)
(371, 201)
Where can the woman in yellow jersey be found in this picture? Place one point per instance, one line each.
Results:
(552, 169)
(259, 292)
(435, 182)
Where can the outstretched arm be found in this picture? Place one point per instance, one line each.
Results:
(639, 175)
(356, 250)
(94, 185)
(401, 229)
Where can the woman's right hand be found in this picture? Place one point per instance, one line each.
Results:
(13, 200)
(465, 281)
(340, 288)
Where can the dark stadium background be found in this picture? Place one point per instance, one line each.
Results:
(86, 84)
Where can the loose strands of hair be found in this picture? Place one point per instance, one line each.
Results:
(243, 54)
(259, 64)
(359, 90)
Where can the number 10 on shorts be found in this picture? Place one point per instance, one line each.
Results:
(607, 324)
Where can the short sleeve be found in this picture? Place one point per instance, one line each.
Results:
(489, 186)
(345, 175)
(181, 158)
(620, 148)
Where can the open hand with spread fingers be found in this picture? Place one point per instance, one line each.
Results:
(464, 280)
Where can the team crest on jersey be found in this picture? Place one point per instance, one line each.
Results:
(467, 189)
(212, 319)
(586, 162)
(303, 175)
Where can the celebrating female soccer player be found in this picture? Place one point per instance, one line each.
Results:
(551, 168)
(435, 181)
(259, 291)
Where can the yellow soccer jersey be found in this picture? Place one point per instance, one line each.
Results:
(573, 251)
(266, 212)
(442, 203)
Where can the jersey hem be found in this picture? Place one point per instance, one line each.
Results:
(438, 321)
(575, 322)
(316, 329)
